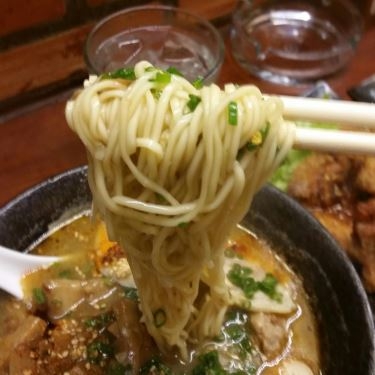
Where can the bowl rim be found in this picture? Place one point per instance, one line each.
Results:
(345, 282)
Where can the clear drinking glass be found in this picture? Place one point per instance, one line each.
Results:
(295, 41)
(165, 36)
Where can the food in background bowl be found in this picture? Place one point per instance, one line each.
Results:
(341, 312)
(340, 192)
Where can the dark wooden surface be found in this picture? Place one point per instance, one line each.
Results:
(35, 142)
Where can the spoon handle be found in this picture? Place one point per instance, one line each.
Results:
(14, 265)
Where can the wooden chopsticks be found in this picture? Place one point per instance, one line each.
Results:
(336, 141)
(357, 115)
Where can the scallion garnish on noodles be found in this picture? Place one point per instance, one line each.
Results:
(175, 71)
(162, 78)
(123, 73)
(232, 113)
(193, 102)
(198, 83)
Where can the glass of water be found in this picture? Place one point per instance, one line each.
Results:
(165, 36)
(295, 41)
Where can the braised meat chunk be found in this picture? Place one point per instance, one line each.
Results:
(365, 180)
(323, 181)
(340, 192)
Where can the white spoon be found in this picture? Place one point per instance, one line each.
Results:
(14, 265)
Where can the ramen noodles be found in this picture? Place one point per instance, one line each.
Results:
(173, 168)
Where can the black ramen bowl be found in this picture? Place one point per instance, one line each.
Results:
(340, 302)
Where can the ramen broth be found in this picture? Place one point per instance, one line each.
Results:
(81, 315)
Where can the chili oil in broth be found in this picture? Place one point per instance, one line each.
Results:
(87, 308)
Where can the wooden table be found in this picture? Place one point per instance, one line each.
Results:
(36, 143)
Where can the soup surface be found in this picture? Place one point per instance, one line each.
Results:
(81, 315)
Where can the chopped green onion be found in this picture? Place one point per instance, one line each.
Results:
(232, 113)
(209, 364)
(236, 335)
(265, 131)
(239, 338)
(160, 318)
(100, 321)
(39, 296)
(174, 71)
(123, 73)
(241, 277)
(156, 93)
(193, 102)
(183, 224)
(66, 273)
(130, 293)
(268, 286)
(198, 83)
(162, 78)
(97, 351)
(155, 367)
